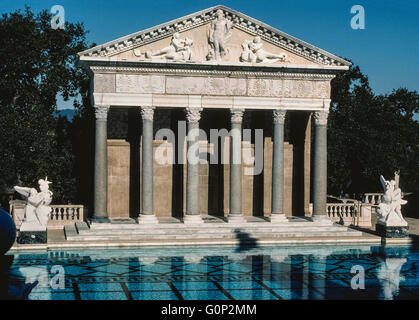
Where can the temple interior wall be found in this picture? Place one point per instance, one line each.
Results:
(124, 166)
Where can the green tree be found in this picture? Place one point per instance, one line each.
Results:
(369, 135)
(37, 64)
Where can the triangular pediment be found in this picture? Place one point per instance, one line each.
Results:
(219, 34)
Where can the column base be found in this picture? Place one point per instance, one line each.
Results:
(322, 219)
(278, 218)
(100, 220)
(147, 219)
(192, 219)
(236, 218)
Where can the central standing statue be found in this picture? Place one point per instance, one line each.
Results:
(219, 33)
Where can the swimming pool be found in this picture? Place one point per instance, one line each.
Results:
(214, 273)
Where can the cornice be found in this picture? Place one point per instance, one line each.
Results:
(232, 71)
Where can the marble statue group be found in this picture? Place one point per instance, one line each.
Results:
(178, 50)
(37, 208)
(218, 35)
(253, 52)
(389, 210)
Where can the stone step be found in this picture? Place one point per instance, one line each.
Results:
(190, 236)
(212, 231)
(299, 223)
(180, 226)
(210, 234)
(191, 239)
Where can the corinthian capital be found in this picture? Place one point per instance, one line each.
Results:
(147, 113)
(193, 115)
(237, 115)
(320, 118)
(279, 116)
(101, 112)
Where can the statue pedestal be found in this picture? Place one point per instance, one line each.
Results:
(31, 233)
(392, 231)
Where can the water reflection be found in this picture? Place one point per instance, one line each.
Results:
(389, 276)
(216, 273)
(389, 273)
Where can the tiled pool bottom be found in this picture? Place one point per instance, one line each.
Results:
(213, 273)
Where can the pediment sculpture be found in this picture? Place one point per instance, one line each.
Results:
(252, 51)
(178, 50)
(37, 207)
(219, 33)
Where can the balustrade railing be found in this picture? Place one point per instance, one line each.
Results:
(341, 210)
(372, 198)
(350, 213)
(62, 214)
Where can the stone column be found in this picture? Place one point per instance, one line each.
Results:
(235, 214)
(277, 210)
(100, 213)
(320, 167)
(193, 115)
(147, 153)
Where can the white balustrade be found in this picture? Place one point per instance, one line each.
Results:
(63, 214)
(373, 198)
(349, 213)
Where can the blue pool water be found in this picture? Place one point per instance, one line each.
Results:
(213, 273)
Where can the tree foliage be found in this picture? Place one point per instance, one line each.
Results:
(37, 64)
(369, 135)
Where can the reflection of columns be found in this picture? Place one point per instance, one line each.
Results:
(320, 166)
(235, 214)
(317, 284)
(193, 115)
(101, 163)
(147, 215)
(278, 167)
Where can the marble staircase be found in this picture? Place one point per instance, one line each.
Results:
(210, 229)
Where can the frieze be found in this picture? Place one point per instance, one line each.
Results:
(223, 86)
(288, 88)
(135, 83)
(205, 85)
